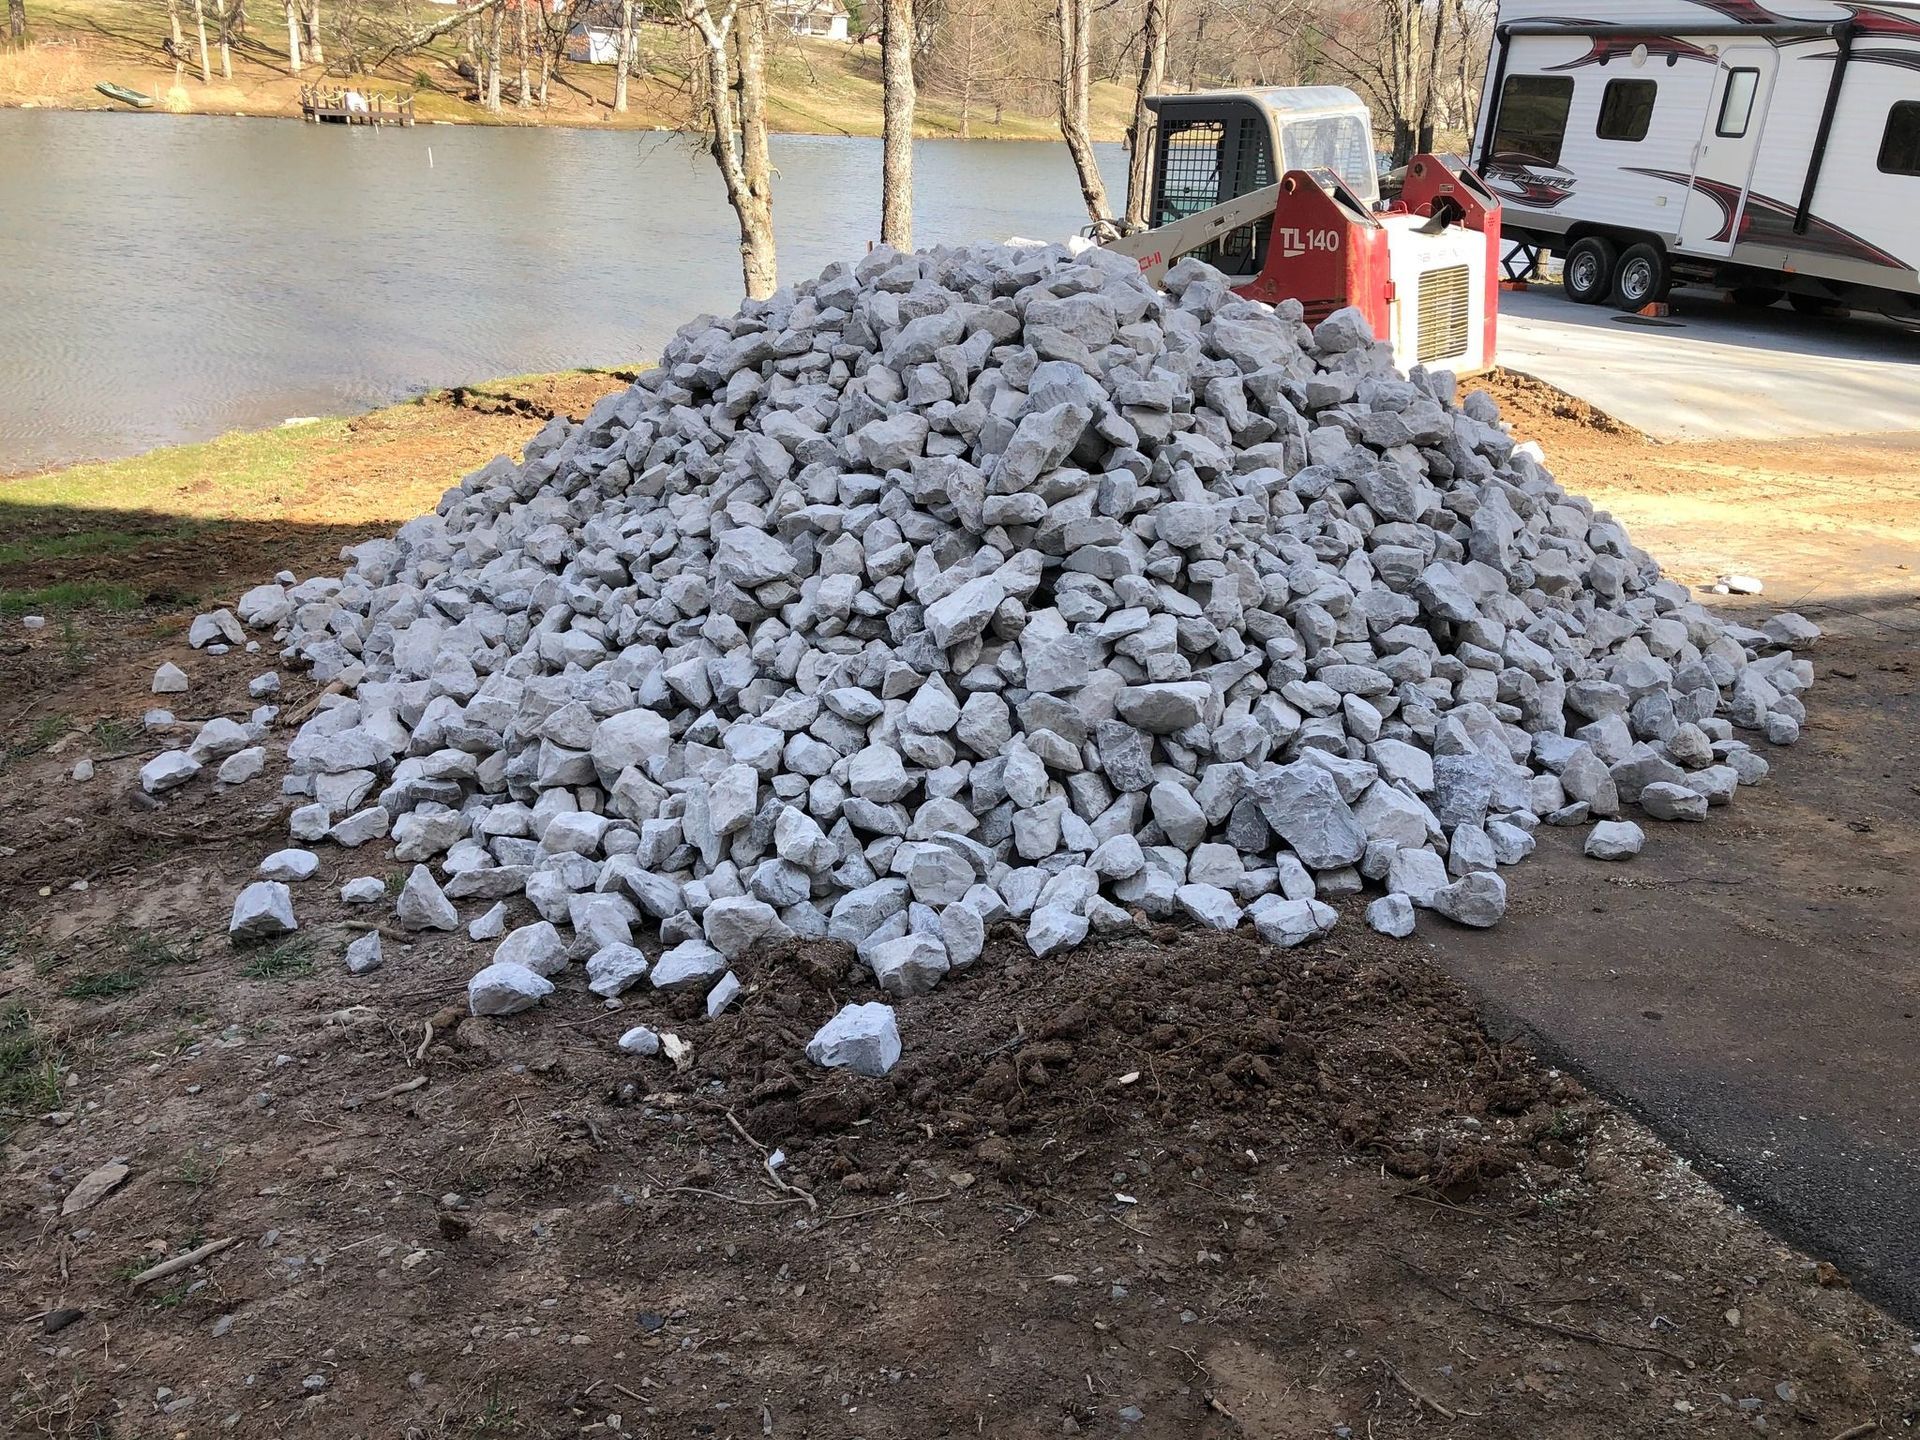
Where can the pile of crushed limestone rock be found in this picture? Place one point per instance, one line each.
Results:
(991, 585)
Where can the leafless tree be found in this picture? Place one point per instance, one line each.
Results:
(1140, 134)
(896, 160)
(310, 26)
(525, 97)
(969, 57)
(733, 34)
(490, 93)
(293, 37)
(1392, 50)
(200, 21)
(17, 21)
(223, 34)
(177, 45)
(1073, 18)
(623, 57)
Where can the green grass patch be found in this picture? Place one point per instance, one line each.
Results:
(178, 484)
(154, 952)
(106, 985)
(288, 960)
(42, 733)
(29, 1068)
(66, 544)
(68, 596)
(113, 735)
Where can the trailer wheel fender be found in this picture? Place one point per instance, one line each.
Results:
(1587, 273)
(1643, 277)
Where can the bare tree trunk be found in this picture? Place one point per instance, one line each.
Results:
(526, 85)
(179, 45)
(759, 264)
(968, 72)
(1140, 134)
(625, 53)
(493, 62)
(743, 166)
(896, 160)
(17, 21)
(223, 32)
(1076, 77)
(546, 71)
(200, 19)
(316, 52)
(293, 38)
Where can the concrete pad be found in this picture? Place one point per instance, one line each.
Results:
(1713, 371)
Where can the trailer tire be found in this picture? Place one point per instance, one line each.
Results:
(1587, 273)
(1642, 278)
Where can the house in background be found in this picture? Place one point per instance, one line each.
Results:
(812, 19)
(589, 44)
(594, 38)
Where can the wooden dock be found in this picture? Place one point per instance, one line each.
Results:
(354, 107)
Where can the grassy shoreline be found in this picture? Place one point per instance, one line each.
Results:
(815, 87)
(169, 527)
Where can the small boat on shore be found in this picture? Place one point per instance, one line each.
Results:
(124, 95)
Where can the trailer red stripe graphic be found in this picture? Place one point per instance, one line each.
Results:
(1767, 221)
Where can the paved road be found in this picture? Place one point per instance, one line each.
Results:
(1714, 371)
(1751, 986)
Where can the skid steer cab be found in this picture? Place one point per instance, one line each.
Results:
(1280, 190)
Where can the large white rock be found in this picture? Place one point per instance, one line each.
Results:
(263, 911)
(423, 905)
(168, 770)
(862, 1038)
(506, 989)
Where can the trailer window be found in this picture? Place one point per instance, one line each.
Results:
(1532, 122)
(1626, 110)
(1736, 103)
(1900, 146)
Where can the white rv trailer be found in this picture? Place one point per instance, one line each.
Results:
(1766, 146)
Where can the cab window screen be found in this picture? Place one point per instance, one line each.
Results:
(1533, 117)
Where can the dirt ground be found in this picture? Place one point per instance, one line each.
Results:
(1180, 1186)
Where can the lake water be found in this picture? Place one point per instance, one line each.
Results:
(166, 278)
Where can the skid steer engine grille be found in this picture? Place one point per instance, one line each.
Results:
(1443, 313)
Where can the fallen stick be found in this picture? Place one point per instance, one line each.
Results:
(826, 1220)
(1421, 1396)
(1550, 1327)
(1858, 1432)
(387, 1094)
(766, 1163)
(181, 1262)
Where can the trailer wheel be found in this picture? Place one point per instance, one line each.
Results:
(1587, 273)
(1644, 278)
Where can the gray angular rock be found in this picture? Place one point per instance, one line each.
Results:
(506, 989)
(263, 911)
(1290, 923)
(1391, 915)
(1302, 805)
(1477, 900)
(862, 1038)
(1614, 840)
(423, 905)
(364, 955)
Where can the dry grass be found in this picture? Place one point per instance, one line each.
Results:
(48, 74)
